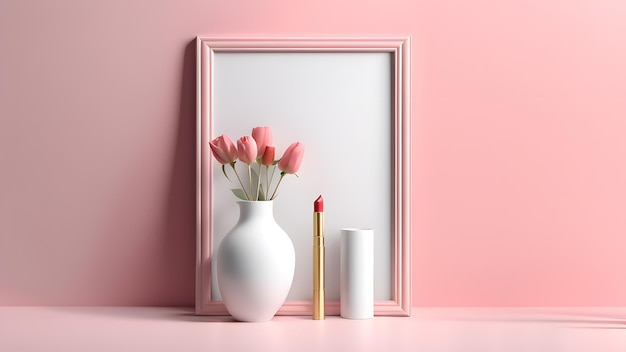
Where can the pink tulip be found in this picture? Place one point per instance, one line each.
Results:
(223, 149)
(246, 146)
(263, 137)
(268, 156)
(292, 159)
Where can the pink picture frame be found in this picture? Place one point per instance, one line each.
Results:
(398, 48)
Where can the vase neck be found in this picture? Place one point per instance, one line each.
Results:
(249, 209)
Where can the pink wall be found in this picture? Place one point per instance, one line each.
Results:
(519, 116)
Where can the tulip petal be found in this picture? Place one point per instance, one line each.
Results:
(292, 158)
(247, 149)
(263, 137)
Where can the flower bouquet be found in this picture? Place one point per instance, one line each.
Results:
(257, 149)
(256, 258)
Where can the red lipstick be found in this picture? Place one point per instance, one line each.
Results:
(318, 259)
(318, 205)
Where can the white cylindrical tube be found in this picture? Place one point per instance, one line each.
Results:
(357, 273)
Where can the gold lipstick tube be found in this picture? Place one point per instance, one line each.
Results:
(318, 266)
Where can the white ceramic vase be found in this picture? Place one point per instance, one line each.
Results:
(255, 264)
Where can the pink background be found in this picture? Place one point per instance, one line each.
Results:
(519, 172)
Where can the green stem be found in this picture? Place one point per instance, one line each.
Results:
(243, 188)
(271, 177)
(267, 182)
(250, 180)
(282, 174)
(258, 186)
